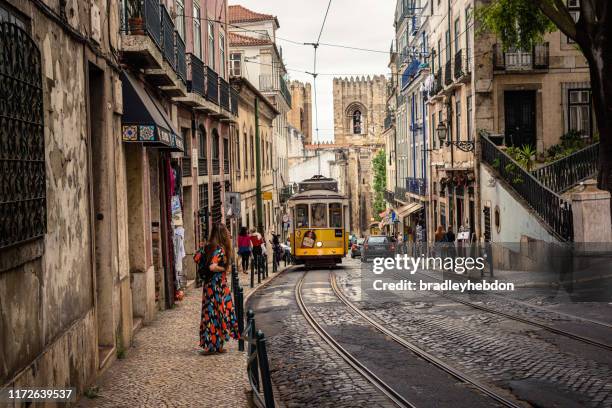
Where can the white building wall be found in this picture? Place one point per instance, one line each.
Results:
(310, 167)
(516, 221)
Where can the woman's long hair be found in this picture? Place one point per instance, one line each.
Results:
(243, 232)
(440, 233)
(219, 236)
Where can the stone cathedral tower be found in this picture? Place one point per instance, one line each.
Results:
(359, 112)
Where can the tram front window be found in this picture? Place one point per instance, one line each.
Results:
(319, 215)
(335, 215)
(301, 215)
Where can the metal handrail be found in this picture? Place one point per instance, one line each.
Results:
(181, 57)
(196, 75)
(563, 174)
(555, 211)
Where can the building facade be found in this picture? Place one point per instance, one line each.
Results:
(359, 112)
(456, 83)
(255, 57)
(64, 268)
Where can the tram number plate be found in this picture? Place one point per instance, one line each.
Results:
(338, 233)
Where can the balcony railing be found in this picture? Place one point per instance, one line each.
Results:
(215, 166)
(563, 174)
(551, 208)
(284, 89)
(196, 75)
(142, 17)
(234, 101)
(518, 60)
(416, 185)
(224, 96)
(448, 73)
(400, 193)
(388, 121)
(167, 44)
(186, 166)
(437, 86)
(181, 61)
(272, 83)
(285, 193)
(459, 72)
(202, 167)
(212, 85)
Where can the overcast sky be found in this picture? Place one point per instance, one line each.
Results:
(359, 23)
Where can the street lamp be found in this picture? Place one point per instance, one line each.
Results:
(463, 145)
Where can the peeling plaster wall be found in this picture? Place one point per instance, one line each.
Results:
(48, 319)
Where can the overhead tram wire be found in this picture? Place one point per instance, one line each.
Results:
(314, 74)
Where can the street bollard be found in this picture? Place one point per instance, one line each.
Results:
(253, 271)
(262, 357)
(266, 266)
(240, 316)
(253, 348)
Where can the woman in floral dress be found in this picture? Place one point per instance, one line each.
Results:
(218, 322)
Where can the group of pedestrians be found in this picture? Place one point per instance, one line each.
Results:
(250, 244)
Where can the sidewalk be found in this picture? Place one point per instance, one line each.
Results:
(163, 367)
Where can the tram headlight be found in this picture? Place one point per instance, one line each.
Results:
(319, 244)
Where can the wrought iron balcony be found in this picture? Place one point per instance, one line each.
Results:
(224, 94)
(186, 166)
(234, 101)
(388, 121)
(275, 83)
(284, 89)
(400, 193)
(518, 60)
(167, 43)
(212, 85)
(416, 186)
(195, 83)
(437, 86)
(142, 17)
(459, 72)
(181, 57)
(550, 206)
(285, 193)
(448, 73)
(202, 166)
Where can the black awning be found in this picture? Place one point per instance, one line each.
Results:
(144, 120)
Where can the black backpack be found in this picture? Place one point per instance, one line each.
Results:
(204, 272)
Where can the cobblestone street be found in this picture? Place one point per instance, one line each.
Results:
(163, 367)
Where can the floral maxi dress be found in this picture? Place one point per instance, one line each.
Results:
(218, 322)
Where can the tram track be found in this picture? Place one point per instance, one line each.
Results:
(381, 385)
(368, 374)
(565, 333)
(420, 352)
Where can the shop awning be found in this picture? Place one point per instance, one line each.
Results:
(408, 209)
(144, 120)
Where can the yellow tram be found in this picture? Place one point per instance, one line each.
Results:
(319, 223)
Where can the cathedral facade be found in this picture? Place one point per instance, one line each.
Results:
(359, 112)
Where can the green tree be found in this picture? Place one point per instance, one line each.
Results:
(380, 183)
(522, 23)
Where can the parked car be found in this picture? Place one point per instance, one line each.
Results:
(378, 246)
(356, 248)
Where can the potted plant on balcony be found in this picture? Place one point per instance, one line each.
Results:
(135, 21)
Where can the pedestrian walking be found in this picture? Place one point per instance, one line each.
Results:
(449, 238)
(256, 244)
(218, 322)
(244, 249)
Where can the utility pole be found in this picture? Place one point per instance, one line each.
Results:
(258, 196)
